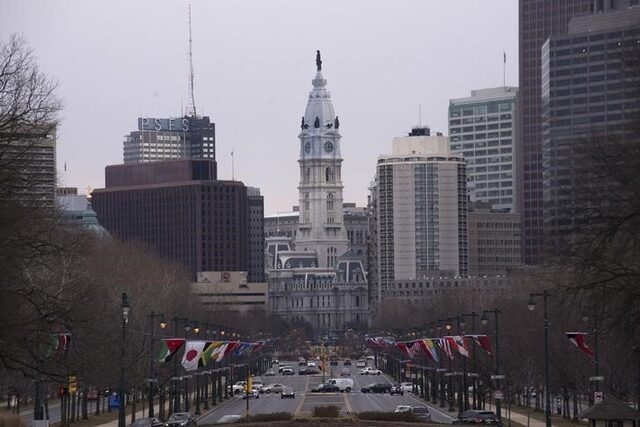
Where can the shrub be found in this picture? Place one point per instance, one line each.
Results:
(387, 416)
(275, 416)
(326, 411)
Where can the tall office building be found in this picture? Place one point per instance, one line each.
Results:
(255, 239)
(318, 281)
(29, 160)
(483, 128)
(180, 210)
(421, 202)
(538, 19)
(188, 137)
(588, 94)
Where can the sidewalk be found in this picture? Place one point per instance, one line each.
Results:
(516, 417)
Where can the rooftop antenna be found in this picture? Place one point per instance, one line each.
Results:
(233, 175)
(419, 115)
(191, 108)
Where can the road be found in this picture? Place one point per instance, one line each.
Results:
(305, 401)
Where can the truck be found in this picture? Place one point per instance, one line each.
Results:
(343, 384)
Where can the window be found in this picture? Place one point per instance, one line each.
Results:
(330, 201)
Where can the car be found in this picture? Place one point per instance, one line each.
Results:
(180, 419)
(256, 382)
(283, 367)
(287, 393)
(308, 371)
(273, 388)
(369, 371)
(147, 422)
(396, 389)
(402, 408)
(311, 364)
(347, 362)
(333, 362)
(325, 388)
(269, 373)
(474, 416)
(287, 371)
(302, 362)
(255, 392)
(361, 363)
(376, 388)
(407, 387)
(229, 419)
(421, 412)
(239, 387)
(345, 372)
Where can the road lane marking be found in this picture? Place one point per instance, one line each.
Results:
(347, 404)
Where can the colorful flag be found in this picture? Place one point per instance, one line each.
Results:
(445, 346)
(218, 353)
(429, 347)
(192, 353)
(577, 338)
(414, 349)
(462, 346)
(169, 347)
(403, 348)
(59, 344)
(242, 348)
(208, 351)
(482, 341)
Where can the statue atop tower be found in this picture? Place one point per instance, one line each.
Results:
(318, 61)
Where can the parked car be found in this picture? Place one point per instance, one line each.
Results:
(239, 387)
(396, 389)
(147, 422)
(369, 371)
(180, 419)
(302, 362)
(333, 362)
(287, 393)
(253, 393)
(308, 371)
(311, 364)
(347, 362)
(421, 412)
(325, 388)
(407, 387)
(343, 384)
(229, 419)
(402, 408)
(474, 416)
(345, 372)
(270, 373)
(274, 388)
(361, 363)
(283, 367)
(376, 388)
(287, 371)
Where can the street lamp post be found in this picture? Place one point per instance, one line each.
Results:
(473, 374)
(174, 379)
(544, 295)
(125, 322)
(497, 376)
(163, 324)
(597, 377)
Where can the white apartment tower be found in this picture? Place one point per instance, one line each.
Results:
(321, 226)
(421, 202)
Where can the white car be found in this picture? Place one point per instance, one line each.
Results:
(229, 419)
(253, 393)
(402, 408)
(361, 363)
(239, 387)
(369, 371)
(406, 387)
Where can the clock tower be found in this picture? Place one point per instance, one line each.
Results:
(321, 223)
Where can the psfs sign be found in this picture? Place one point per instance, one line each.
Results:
(179, 124)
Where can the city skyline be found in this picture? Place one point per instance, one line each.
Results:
(388, 69)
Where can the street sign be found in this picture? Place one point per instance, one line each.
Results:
(498, 395)
(597, 396)
(497, 377)
(73, 385)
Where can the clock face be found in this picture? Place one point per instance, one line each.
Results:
(328, 146)
(307, 147)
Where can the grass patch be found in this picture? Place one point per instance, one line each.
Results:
(326, 411)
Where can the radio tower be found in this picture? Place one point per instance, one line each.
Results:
(191, 107)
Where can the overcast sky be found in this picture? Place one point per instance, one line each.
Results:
(384, 61)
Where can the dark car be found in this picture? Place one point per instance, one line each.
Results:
(308, 371)
(376, 388)
(180, 419)
(347, 362)
(325, 388)
(421, 412)
(396, 389)
(147, 422)
(474, 416)
(302, 363)
(287, 393)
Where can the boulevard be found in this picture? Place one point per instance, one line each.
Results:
(305, 400)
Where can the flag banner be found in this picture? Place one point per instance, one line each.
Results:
(205, 355)
(209, 350)
(242, 348)
(231, 347)
(482, 341)
(59, 344)
(414, 349)
(578, 339)
(257, 346)
(445, 346)
(453, 345)
(169, 347)
(404, 350)
(429, 349)
(218, 353)
(462, 345)
(192, 353)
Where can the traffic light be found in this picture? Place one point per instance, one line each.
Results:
(73, 385)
